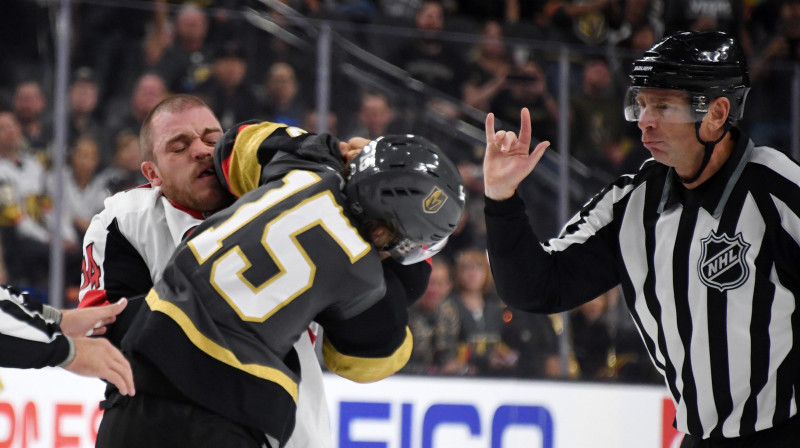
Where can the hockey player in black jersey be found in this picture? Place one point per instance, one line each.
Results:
(212, 347)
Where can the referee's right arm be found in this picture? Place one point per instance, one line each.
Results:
(29, 338)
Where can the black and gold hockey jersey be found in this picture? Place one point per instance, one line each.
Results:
(237, 295)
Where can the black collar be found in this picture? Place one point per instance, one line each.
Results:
(714, 192)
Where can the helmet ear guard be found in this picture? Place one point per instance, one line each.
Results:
(407, 182)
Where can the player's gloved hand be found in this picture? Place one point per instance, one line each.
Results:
(413, 277)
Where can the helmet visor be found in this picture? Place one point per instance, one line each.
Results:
(661, 105)
(408, 252)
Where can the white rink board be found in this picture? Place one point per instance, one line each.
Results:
(406, 413)
(52, 408)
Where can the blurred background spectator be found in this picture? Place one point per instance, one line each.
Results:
(535, 341)
(587, 22)
(437, 63)
(376, 117)
(591, 337)
(24, 209)
(82, 196)
(481, 350)
(82, 191)
(597, 127)
(281, 101)
(526, 86)
(30, 108)
(488, 67)
(83, 102)
(435, 325)
(225, 91)
(125, 171)
(772, 74)
(148, 91)
(186, 63)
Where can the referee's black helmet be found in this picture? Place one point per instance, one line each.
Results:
(706, 65)
(407, 182)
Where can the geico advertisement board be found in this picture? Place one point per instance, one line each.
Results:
(436, 412)
(53, 408)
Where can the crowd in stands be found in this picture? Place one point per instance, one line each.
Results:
(457, 59)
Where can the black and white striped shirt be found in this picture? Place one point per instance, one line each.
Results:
(29, 333)
(710, 277)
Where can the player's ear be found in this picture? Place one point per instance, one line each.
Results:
(150, 171)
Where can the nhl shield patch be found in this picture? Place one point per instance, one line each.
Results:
(722, 264)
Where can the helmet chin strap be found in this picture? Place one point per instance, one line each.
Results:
(709, 149)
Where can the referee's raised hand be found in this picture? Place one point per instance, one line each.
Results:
(508, 159)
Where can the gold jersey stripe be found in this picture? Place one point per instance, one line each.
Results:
(244, 171)
(215, 350)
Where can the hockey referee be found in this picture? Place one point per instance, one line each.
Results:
(704, 238)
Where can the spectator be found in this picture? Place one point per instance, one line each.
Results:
(311, 122)
(772, 75)
(586, 22)
(481, 351)
(434, 325)
(597, 137)
(486, 72)
(229, 96)
(82, 195)
(637, 14)
(591, 339)
(527, 87)
(29, 107)
(158, 37)
(185, 64)
(272, 49)
(83, 97)
(533, 340)
(148, 91)
(82, 191)
(281, 102)
(375, 117)
(428, 58)
(109, 39)
(23, 208)
(125, 170)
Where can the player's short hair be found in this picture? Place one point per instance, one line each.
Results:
(173, 104)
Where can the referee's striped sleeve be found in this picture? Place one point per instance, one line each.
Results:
(29, 335)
